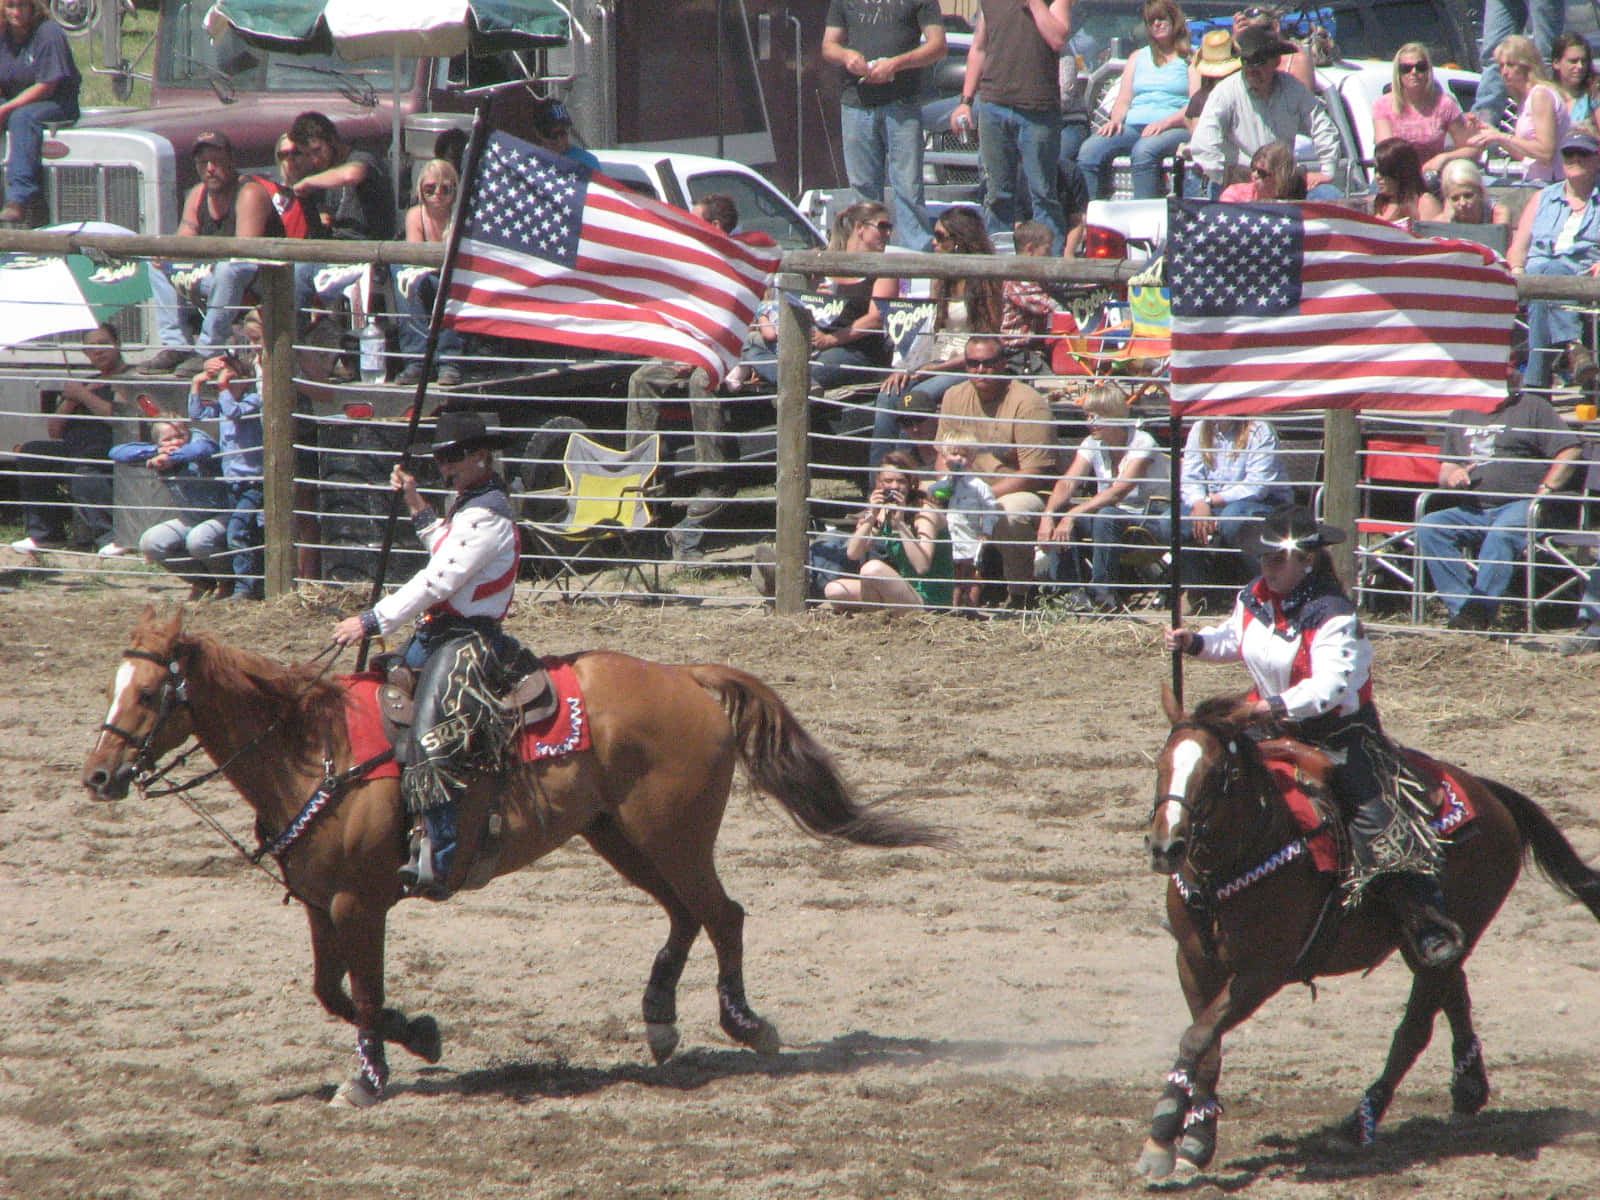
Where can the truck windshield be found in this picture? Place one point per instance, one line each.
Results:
(188, 59)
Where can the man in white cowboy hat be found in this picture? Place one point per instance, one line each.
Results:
(1258, 105)
(458, 648)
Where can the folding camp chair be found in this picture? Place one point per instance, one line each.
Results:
(1563, 538)
(1399, 474)
(607, 523)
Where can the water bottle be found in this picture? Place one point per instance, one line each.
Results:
(943, 490)
(372, 348)
(964, 130)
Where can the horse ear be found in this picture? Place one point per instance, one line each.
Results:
(1170, 705)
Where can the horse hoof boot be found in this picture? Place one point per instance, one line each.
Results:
(765, 1041)
(1156, 1162)
(662, 1038)
(1184, 1171)
(355, 1092)
(422, 1039)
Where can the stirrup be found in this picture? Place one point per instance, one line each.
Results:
(417, 877)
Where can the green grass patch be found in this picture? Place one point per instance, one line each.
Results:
(138, 31)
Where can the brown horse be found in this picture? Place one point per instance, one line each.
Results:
(1243, 903)
(649, 797)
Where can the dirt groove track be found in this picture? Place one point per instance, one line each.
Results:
(986, 1023)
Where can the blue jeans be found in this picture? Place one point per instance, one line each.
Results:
(1013, 137)
(1549, 325)
(26, 126)
(883, 144)
(245, 537)
(215, 290)
(1543, 19)
(1108, 528)
(836, 366)
(1198, 567)
(1447, 537)
(1145, 153)
(886, 420)
(416, 291)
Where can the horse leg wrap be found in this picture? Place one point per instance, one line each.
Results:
(1362, 1125)
(1199, 1142)
(738, 1021)
(372, 1075)
(1172, 1109)
(1469, 1081)
(661, 993)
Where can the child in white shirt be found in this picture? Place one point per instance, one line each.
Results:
(971, 510)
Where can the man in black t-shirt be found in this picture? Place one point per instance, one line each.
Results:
(883, 46)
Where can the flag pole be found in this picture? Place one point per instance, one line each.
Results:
(469, 171)
(1175, 543)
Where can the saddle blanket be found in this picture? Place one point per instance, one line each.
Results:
(1453, 808)
(565, 731)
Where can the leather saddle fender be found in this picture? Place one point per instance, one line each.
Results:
(534, 696)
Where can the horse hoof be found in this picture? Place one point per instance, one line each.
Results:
(423, 1040)
(1156, 1162)
(355, 1092)
(1183, 1171)
(766, 1041)
(662, 1037)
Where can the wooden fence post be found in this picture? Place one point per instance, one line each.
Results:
(794, 475)
(275, 285)
(1341, 471)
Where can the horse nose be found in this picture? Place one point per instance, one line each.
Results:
(108, 785)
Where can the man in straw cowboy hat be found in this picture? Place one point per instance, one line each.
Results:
(1298, 635)
(458, 648)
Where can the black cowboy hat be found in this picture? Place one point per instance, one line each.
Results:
(464, 430)
(1291, 527)
(1258, 44)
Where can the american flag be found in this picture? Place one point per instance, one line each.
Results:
(551, 251)
(1284, 306)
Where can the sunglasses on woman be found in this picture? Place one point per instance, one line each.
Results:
(438, 189)
(1414, 68)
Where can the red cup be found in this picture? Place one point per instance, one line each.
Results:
(358, 410)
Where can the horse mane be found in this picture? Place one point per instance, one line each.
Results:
(1226, 719)
(298, 696)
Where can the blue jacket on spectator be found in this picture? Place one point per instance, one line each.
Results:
(239, 430)
(193, 481)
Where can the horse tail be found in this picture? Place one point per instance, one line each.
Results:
(1554, 855)
(787, 763)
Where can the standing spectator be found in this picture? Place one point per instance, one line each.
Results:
(1122, 462)
(1543, 19)
(1013, 68)
(192, 544)
(428, 220)
(1016, 437)
(1255, 107)
(1573, 67)
(1501, 460)
(1420, 109)
(1025, 319)
(1542, 120)
(883, 46)
(353, 196)
(236, 407)
(1274, 175)
(40, 83)
(1559, 234)
(222, 204)
(964, 306)
(1463, 198)
(1146, 121)
(80, 436)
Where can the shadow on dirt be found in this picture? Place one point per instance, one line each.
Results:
(699, 1066)
(1416, 1142)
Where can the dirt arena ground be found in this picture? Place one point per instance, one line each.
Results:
(989, 1022)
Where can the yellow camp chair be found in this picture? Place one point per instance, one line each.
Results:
(607, 524)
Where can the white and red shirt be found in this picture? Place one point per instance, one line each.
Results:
(473, 556)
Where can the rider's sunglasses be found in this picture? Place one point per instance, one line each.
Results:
(449, 454)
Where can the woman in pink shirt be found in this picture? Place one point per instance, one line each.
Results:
(1421, 110)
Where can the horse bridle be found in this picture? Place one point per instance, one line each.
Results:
(173, 695)
(1229, 767)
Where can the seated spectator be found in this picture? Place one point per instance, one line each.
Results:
(1017, 457)
(899, 547)
(851, 349)
(222, 204)
(1258, 105)
(1499, 461)
(191, 545)
(970, 511)
(298, 213)
(1025, 319)
(1542, 120)
(1215, 62)
(1121, 462)
(353, 196)
(1421, 110)
(1398, 182)
(1462, 197)
(1559, 234)
(80, 436)
(963, 307)
(40, 82)
(428, 220)
(1572, 64)
(1274, 175)
(552, 129)
(1232, 476)
(236, 407)
(1147, 117)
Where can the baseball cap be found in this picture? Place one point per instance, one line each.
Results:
(551, 115)
(1577, 139)
(915, 405)
(214, 139)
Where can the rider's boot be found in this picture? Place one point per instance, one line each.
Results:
(1436, 939)
(433, 845)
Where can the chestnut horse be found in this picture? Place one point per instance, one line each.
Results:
(1243, 903)
(648, 796)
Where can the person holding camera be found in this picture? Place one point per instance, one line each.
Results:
(900, 543)
(226, 390)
